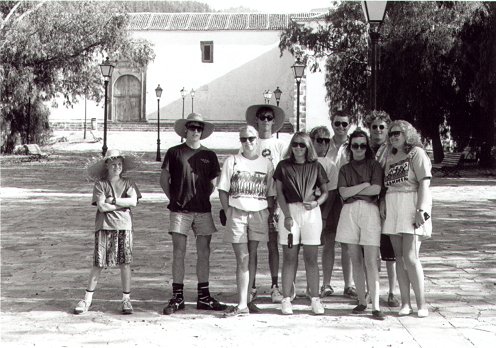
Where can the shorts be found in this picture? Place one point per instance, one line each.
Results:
(113, 248)
(360, 224)
(243, 226)
(387, 251)
(400, 215)
(307, 225)
(202, 224)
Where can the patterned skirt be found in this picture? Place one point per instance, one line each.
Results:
(113, 248)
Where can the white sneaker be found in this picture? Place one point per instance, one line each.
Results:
(275, 294)
(81, 307)
(317, 307)
(253, 294)
(286, 306)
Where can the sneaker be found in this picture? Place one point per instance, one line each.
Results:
(234, 311)
(253, 294)
(210, 304)
(378, 315)
(126, 308)
(403, 312)
(359, 309)
(326, 291)
(174, 305)
(350, 292)
(423, 313)
(253, 308)
(275, 294)
(317, 307)
(392, 300)
(286, 306)
(81, 307)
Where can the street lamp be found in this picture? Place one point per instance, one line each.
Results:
(299, 70)
(374, 12)
(158, 93)
(267, 95)
(192, 98)
(183, 95)
(107, 68)
(277, 94)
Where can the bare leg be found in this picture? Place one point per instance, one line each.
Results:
(371, 255)
(391, 273)
(346, 265)
(252, 266)
(328, 257)
(356, 254)
(310, 255)
(203, 259)
(411, 247)
(403, 280)
(242, 273)
(178, 253)
(289, 264)
(126, 277)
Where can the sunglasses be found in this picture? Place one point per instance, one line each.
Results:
(245, 139)
(323, 140)
(266, 118)
(339, 123)
(361, 146)
(297, 144)
(193, 128)
(394, 134)
(381, 127)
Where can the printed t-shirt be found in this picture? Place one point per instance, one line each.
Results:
(273, 149)
(403, 172)
(300, 180)
(248, 182)
(191, 174)
(358, 172)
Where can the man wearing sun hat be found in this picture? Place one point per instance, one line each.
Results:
(267, 120)
(188, 179)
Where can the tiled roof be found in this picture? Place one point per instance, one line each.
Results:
(216, 21)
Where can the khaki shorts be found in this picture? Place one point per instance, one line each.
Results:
(202, 224)
(307, 225)
(360, 224)
(243, 226)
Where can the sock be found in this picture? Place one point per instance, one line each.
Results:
(203, 292)
(126, 296)
(177, 291)
(88, 296)
(274, 281)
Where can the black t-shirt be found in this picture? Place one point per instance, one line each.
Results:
(358, 172)
(300, 180)
(191, 174)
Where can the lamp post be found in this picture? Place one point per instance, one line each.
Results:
(277, 93)
(158, 93)
(299, 70)
(183, 95)
(192, 98)
(107, 68)
(267, 96)
(374, 12)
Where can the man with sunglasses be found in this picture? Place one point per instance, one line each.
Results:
(378, 124)
(340, 123)
(268, 120)
(189, 172)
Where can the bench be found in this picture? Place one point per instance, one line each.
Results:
(450, 164)
(34, 152)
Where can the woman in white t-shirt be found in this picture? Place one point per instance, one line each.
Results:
(246, 192)
(407, 209)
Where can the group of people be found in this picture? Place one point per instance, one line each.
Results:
(369, 193)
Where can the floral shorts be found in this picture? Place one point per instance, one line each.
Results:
(113, 248)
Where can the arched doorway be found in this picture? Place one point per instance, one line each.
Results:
(127, 99)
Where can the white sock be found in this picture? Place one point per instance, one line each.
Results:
(88, 297)
(126, 296)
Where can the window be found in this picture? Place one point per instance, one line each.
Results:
(207, 51)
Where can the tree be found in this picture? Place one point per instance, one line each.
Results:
(50, 48)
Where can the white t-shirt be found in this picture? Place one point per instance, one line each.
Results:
(332, 172)
(248, 182)
(272, 149)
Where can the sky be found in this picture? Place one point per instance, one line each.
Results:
(270, 6)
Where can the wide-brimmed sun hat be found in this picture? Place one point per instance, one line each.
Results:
(279, 116)
(97, 170)
(180, 125)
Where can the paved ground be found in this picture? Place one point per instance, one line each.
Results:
(46, 243)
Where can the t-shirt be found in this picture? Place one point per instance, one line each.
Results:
(272, 149)
(337, 153)
(331, 171)
(358, 172)
(382, 152)
(299, 180)
(403, 172)
(118, 219)
(191, 174)
(248, 182)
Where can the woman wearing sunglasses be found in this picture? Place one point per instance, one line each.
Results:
(300, 219)
(407, 209)
(246, 192)
(359, 226)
